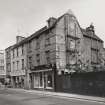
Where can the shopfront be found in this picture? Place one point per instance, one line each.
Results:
(42, 80)
(18, 81)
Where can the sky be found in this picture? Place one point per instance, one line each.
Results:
(24, 17)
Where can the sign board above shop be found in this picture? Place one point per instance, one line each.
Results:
(42, 67)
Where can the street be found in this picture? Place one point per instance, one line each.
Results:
(12, 97)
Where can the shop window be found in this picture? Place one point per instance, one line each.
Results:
(41, 80)
(36, 81)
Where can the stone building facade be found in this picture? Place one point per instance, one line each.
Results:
(61, 47)
(93, 45)
(18, 63)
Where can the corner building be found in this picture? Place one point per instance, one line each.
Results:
(61, 47)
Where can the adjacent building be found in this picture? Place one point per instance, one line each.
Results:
(61, 47)
(18, 63)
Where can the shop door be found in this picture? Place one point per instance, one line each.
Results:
(45, 80)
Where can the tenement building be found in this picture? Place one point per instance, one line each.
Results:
(61, 47)
(18, 63)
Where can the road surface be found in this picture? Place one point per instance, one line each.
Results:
(12, 97)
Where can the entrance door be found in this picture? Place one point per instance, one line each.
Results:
(45, 81)
(48, 80)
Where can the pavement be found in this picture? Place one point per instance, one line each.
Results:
(62, 95)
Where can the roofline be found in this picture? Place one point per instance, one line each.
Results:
(37, 33)
(34, 35)
(86, 35)
(45, 28)
(8, 47)
(93, 38)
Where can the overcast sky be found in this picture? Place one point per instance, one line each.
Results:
(24, 17)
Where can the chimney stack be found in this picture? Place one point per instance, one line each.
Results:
(90, 30)
(51, 21)
(19, 38)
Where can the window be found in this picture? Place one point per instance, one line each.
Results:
(48, 60)
(38, 62)
(47, 41)
(47, 53)
(13, 65)
(38, 80)
(71, 58)
(22, 64)
(22, 49)
(94, 56)
(72, 44)
(37, 44)
(17, 52)
(30, 62)
(7, 55)
(30, 45)
(38, 59)
(8, 67)
(13, 53)
(17, 65)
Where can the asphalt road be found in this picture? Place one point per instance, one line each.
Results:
(12, 97)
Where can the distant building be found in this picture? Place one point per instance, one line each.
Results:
(2, 67)
(61, 47)
(8, 63)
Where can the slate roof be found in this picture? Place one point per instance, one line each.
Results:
(86, 34)
(37, 33)
(30, 37)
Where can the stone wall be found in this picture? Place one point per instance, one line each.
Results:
(92, 83)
